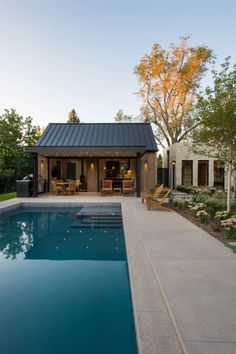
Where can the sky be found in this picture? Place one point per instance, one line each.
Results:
(59, 55)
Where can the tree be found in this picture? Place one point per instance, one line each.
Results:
(16, 133)
(217, 120)
(120, 117)
(168, 88)
(73, 117)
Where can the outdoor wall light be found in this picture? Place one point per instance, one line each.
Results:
(92, 165)
(145, 164)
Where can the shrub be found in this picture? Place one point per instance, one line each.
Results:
(180, 204)
(185, 189)
(7, 184)
(213, 203)
(229, 226)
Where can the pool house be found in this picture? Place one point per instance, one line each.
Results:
(94, 152)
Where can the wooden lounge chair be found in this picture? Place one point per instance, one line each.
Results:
(157, 193)
(56, 189)
(106, 186)
(128, 187)
(158, 203)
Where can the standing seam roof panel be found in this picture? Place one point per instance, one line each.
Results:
(83, 136)
(44, 135)
(73, 137)
(105, 136)
(79, 135)
(53, 136)
(49, 137)
(62, 134)
(135, 135)
(95, 136)
(151, 137)
(100, 136)
(67, 140)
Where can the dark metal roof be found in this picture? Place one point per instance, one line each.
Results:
(96, 136)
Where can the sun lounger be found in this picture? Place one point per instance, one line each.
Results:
(158, 203)
(157, 193)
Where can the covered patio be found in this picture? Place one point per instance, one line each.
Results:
(91, 153)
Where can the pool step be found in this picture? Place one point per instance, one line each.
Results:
(97, 222)
(100, 217)
(98, 214)
(92, 225)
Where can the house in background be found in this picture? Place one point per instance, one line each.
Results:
(93, 152)
(190, 169)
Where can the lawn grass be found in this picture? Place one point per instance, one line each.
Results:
(7, 196)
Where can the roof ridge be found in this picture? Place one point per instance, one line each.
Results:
(128, 123)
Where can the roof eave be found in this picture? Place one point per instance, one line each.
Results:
(45, 149)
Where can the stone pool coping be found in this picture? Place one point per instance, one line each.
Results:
(182, 284)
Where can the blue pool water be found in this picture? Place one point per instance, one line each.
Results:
(64, 286)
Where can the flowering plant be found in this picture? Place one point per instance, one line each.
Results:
(202, 212)
(221, 215)
(196, 207)
(229, 226)
(202, 215)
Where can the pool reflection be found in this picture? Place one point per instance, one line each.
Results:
(61, 236)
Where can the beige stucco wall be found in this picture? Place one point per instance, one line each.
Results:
(148, 171)
(92, 174)
(42, 167)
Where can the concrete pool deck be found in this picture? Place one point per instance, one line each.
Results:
(182, 279)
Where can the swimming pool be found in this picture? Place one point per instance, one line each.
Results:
(64, 285)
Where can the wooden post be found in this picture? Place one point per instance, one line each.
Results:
(48, 181)
(138, 175)
(35, 175)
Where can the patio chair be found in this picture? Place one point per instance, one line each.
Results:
(106, 186)
(128, 187)
(157, 193)
(158, 203)
(56, 189)
(71, 189)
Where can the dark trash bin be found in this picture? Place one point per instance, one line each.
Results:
(24, 188)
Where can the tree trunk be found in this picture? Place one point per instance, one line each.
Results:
(229, 187)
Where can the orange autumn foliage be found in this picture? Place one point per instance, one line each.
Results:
(168, 88)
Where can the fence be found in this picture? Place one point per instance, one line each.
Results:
(162, 176)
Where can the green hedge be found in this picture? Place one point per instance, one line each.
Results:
(7, 184)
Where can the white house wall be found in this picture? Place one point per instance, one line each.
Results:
(183, 151)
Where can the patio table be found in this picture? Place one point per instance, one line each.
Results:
(63, 185)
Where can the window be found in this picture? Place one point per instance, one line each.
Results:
(112, 168)
(187, 172)
(203, 168)
(71, 171)
(219, 174)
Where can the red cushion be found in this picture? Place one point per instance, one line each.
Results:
(107, 184)
(128, 184)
